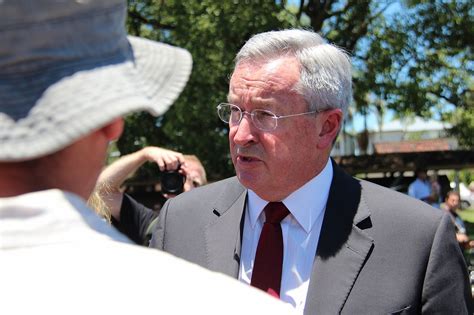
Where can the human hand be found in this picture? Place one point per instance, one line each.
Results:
(165, 159)
(470, 244)
(462, 239)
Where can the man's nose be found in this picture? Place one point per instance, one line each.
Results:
(245, 131)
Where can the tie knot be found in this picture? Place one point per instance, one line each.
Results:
(275, 212)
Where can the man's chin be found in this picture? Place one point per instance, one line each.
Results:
(248, 179)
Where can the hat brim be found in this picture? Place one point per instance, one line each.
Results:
(85, 101)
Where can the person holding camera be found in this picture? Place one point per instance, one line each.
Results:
(179, 173)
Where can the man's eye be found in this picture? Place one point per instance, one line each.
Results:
(264, 114)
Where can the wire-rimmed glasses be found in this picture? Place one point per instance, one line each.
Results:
(262, 119)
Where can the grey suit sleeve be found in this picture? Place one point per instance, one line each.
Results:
(446, 288)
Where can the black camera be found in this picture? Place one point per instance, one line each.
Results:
(172, 182)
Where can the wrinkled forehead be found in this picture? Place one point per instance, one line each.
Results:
(287, 66)
(264, 78)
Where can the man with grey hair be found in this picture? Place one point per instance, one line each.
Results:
(68, 73)
(292, 222)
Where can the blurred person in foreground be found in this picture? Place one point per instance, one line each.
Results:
(68, 73)
(451, 206)
(292, 222)
(109, 196)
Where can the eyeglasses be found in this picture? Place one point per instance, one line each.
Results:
(262, 119)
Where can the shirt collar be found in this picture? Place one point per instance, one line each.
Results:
(49, 217)
(306, 204)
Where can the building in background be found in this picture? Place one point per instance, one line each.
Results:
(416, 135)
(398, 136)
(390, 154)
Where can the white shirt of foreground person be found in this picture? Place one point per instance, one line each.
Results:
(300, 230)
(58, 257)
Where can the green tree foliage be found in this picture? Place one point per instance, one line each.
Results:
(463, 122)
(213, 31)
(427, 54)
(414, 57)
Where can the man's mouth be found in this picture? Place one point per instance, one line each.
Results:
(246, 155)
(247, 159)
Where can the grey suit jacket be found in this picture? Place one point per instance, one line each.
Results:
(379, 252)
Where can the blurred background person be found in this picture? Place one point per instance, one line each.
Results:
(195, 173)
(451, 205)
(435, 190)
(422, 188)
(110, 200)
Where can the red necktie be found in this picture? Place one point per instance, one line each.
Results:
(266, 274)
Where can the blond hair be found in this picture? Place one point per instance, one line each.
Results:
(97, 203)
(195, 159)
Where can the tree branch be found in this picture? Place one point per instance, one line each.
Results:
(381, 11)
(155, 23)
(300, 10)
(282, 5)
(339, 12)
(452, 100)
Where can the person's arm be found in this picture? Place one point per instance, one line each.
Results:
(136, 220)
(462, 239)
(112, 177)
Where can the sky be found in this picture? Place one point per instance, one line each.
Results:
(358, 122)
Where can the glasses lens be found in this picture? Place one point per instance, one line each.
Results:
(264, 119)
(229, 113)
(223, 110)
(235, 115)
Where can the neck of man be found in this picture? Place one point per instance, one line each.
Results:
(17, 179)
(280, 193)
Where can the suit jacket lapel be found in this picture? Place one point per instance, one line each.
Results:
(342, 249)
(224, 233)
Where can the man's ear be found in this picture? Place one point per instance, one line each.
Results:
(113, 130)
(331, 121)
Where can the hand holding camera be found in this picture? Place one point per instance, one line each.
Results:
(170, 163)
(172, 182)
(166, 160)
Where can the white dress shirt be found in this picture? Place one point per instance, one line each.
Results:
(300, 230)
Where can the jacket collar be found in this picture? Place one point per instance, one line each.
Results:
(222, 231)
(343, 246)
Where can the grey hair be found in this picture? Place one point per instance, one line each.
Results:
(325, 79)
